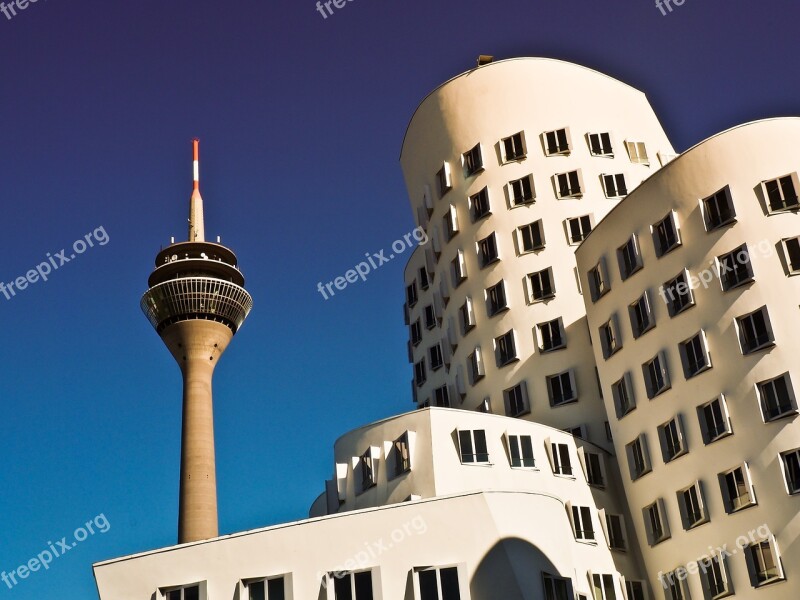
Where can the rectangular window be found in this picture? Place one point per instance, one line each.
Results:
(443, 180)
(638, 457)
(677, 294)
(600, 144)
(466, 316)
(521, 191)
(629, 257)
(473, 160)
(402, 455)
(582, 523)
(791, 470)
(561, 388)
(718, 209)
(419, 373)
(479, 205)
(441, 396)
(189, 592)
(435, 355)
(674, 586)
(458, 268)
(569, 185)
(352, 586)
(755, 331)
(561, 461)
(416, 332)
(598, 280)
(737, 489)
(531, 237)
(496, 299)
(763, 562)
(551, 335)
(506, 350)
(781, 193)
(423, 278)
(614, 185)
(791, 251)
(555, 588)
(411, 294)
(634, 590)
(475, 364)
(541, 285)
(513, 147)
(656, 377)
(622, 390)
(520, 449)
(670, 435)
(594, 469)
(714, 577)
(609, 337)
(556, 142)
(655, 523)
(616, 532)
(472, 444)
(776, 397)
(487, 250)
(690, 501)
(578, 228)
(714, 420)
(735, 268)
(439, 584)
(267, 589)
(641, 315)
(666, 234)
(603, 587)
(694, 355)
(637, 152)
(367, 467)
(516, 400)
(430, 316)
(450, 221)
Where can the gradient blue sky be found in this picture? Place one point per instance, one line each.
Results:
(301, 120)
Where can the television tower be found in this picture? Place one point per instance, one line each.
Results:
(196, 302)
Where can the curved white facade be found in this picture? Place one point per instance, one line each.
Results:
(481, 108)
(728, 348)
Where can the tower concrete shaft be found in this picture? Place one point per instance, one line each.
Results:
(196, 303)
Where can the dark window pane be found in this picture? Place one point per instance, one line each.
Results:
(191, 593)
(428, 589)
(257, 591)
(276, 589)
(363, 585)
(341, 587)
(450, 589)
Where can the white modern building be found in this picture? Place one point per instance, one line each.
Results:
(591, 425)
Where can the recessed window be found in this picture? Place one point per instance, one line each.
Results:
(791, 252)
(582, 523)
(603, 587)
(487, 250)
(714, 577)
(496, 299)
(458, 268)
(641, 314)
(677, 294)
(634, 590)
(479, 205)
(472, 444)
(475, 366)
(189, 592)
(352, 586)
(600, 144)
(485, 406)
(791, 470)
(578, 228)
(435, 354)
(430, 316)
(764, 562)
(556, 588)
(598, 280)
(656, 377)
(444, 180)
(520, 191)
(616, 532)
(614, 185)
(694, 355)
(473, 160)
(516, 400)
(624, 401)
(718, 209)
(675, 585)
(714, 420)
(638, 457)
(411, 294)
(466, 315)
(557, 142)
(505, 349)
(424, 280)
(419, 373)
(737, 489)
(629, 257)
(579, 431)
(367, 469)
(781, 193)
(637, 152)
(531, 237)
(666, 234)
(561, 388)
(267, 589)
(513, 147)
(692, 506)
(562, 464)
(776, 397)
(569, 185)
(441, 396)
(540, 285)
(594, 469)
(401, 455)
(735, 268)
(655, 520)
(416, 332)
(670, 435)
(440, 583)
(609, 337)
(450, 220)
(551, 335)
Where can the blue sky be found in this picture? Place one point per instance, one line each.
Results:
(301, 120)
